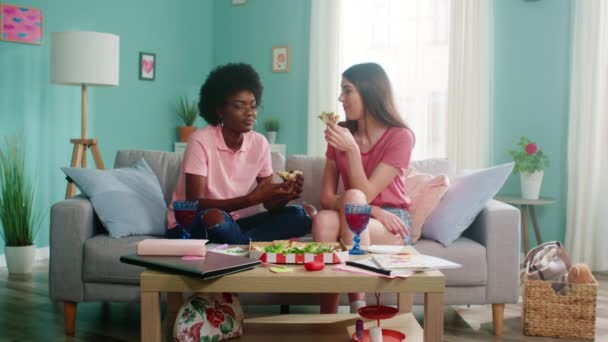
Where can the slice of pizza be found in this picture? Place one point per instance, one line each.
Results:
(289, 175)
(329, 117)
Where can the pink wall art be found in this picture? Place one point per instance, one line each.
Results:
(20, 24)
(147, 66)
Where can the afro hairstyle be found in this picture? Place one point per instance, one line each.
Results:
(224, 81)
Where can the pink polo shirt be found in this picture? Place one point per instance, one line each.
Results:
(229, 173)
(393, 148)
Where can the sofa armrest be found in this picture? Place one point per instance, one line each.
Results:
(497, 227)
(72, 223)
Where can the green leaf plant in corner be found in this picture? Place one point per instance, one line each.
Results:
(20, 222)
(271, 124)
(187, 111)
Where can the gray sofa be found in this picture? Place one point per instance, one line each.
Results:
(85, 266)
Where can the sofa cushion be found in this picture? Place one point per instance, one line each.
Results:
(464, 200)
(102, 259)
(128, 201)
(165, 165)
(464, 251)
(425, 191)
(312, 169)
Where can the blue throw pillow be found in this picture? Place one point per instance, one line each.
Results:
(128, 201)
(464, 200)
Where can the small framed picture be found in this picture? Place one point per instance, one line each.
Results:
(147, 66)
(280, 59)
(20, 24)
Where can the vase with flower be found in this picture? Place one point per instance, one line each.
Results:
(530, 162)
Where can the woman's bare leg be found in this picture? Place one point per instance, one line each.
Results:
(352, 196)
(326, 228)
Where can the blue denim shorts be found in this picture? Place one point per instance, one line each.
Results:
(404, 215)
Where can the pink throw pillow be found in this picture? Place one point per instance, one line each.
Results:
(425, 192)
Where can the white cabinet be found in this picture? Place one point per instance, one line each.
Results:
(180, 147)
(281, 148)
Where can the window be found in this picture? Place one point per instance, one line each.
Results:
(410, 40)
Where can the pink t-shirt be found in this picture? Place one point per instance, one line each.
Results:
(393, 148)
(229, 173)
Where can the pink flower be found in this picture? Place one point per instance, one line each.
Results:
(531, 148)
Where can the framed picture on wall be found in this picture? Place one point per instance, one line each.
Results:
(147, 66)
(20, 24)
(280, 59)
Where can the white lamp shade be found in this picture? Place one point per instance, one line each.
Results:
(84, 58)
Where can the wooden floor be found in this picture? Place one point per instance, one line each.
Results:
(27, 314)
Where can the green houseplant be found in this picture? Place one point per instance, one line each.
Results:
(271, 125)
(530, 162)
(187, 111)
(20, 222)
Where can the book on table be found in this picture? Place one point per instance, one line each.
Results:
(391, 265)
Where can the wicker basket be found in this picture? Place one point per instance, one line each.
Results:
(546, 313)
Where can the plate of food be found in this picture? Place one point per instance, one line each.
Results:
(296, 252)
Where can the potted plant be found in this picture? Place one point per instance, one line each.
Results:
(530, 162)
(271, 124)
(19, 221)
(187, 111)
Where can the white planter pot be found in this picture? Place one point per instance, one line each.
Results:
(272, 137)
(530, 184)
(20, 259)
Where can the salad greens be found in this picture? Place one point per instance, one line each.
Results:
(313, 248)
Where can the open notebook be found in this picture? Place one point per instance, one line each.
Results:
(391, 265)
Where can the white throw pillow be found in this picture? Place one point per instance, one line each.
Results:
(464, 200)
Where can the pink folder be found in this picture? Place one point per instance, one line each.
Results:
(171, 247)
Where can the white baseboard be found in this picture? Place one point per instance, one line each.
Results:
(41, 254)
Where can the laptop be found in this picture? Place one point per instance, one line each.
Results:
(211, 266)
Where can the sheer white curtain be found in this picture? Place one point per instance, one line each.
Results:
(587, 217)
(470, 83)
(410, 40)
(324, 74)
(426, 48)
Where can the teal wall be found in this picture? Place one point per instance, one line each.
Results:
(531, 91)
(247, 34)
(136, 114)
(532, 43)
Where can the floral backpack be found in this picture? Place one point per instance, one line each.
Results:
(209, 317)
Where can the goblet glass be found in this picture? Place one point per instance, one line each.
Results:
(185, 213)
(357, 218)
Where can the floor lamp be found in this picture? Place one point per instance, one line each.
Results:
(84, 58)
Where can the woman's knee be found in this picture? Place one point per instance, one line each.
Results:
(354, 196)
(326, 225)
(212, 217)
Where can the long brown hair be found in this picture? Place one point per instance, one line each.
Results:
(373, 85)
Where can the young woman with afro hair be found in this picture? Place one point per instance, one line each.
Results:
(225, 160)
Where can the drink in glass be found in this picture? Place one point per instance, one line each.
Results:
(357, 218)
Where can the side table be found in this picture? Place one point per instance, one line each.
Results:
(527, 205)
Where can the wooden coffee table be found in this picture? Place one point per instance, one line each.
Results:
(300, 327)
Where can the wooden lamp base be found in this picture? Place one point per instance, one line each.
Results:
(79, 159)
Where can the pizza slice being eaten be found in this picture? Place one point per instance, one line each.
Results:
(289, 175)
(329, 117)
